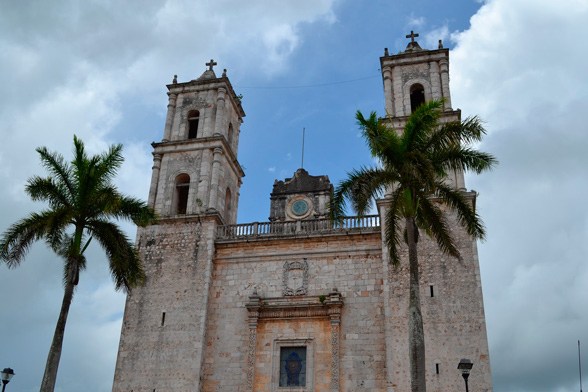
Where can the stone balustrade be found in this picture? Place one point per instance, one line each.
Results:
(356, 224)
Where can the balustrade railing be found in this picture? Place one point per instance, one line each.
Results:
(301, 227)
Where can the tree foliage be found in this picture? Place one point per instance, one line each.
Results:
(414, 164)
(82, 203)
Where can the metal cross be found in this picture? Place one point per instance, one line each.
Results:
(412, 36)
(212, 63)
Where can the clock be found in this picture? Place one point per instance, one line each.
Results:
(299, 207)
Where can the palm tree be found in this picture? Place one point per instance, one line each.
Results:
(413, 164)
(82, 201)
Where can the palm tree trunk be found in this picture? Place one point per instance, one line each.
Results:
(50, 375)
(416, 336)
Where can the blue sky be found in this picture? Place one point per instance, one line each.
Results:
(99, 68)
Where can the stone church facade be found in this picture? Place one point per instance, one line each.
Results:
(296, 303)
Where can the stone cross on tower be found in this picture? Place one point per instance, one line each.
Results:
(212, 63)
(412, 36)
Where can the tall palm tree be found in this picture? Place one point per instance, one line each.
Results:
(82, 201)
(414, 162)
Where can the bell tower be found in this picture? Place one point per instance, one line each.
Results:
(450, 289)
(415, 76)
(194, 189)
(195, 168)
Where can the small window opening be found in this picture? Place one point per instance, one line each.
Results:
(163, 319)
(182, 189)
(193, 120)
(417, 96)
(432, 290)
(228, 201)
(437, 368)
(230, 134)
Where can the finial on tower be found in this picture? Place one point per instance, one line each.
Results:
(412, 45)
(440, 44)
(175, 79)
(211, 64)
(412, 35)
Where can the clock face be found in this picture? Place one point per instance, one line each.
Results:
(299, 207)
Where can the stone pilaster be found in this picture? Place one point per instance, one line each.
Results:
(219, 124)
(171, 111)
(397, 88)
(388, 91)
(214, 181)
(154, 180)
(436, 92)
(444, 65)
(204, 180)
(253, 307)
(335, 303)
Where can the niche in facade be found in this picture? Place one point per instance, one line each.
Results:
(193, 120)
(417, 96)
(181, 194)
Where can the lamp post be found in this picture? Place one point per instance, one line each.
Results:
(465, 365)
(7, 374)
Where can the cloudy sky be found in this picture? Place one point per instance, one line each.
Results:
(98, 69)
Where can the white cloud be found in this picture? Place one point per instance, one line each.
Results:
(92, 69)
(416, 21)
(280, 42)
(97, 69)
(431, 38)
(519, 69)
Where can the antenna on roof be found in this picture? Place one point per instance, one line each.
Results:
(302, 164)
(580, 365)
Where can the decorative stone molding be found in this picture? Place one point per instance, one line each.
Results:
(253, 307)
(302, 307)
(334, 357)
(199, 103)
(295, 278)
(335, 303)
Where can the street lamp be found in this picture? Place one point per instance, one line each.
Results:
(465, 365)
(7, 374)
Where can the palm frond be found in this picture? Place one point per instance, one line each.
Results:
(360, 189)
(421, 123)
(464, 158)
(126, 268)
(127, 208)
(337, 206)
(432, 218)
(17, 240)
(472, 130)
(58, 167)
(393, 226)
(371, 130)
(108, 163)
(466, 215)
(47, 189)
(417, 160)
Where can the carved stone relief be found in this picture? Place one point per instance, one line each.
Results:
(295, 278)
(295, 309)
(196, 103)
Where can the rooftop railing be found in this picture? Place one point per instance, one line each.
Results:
(349, 224)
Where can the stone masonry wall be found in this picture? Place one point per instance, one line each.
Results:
(351, 263)
(453, 316)
(163, 327)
